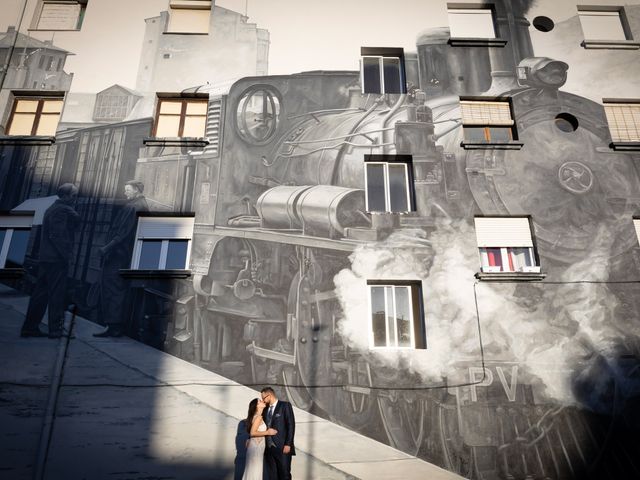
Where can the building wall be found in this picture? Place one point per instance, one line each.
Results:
(529, 377)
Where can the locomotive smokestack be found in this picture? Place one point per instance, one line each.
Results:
(513, 26)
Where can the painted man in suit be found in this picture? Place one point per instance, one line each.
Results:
(280, 447)
(59, 225)
(116, 255)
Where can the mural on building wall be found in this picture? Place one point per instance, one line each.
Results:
(519, 380)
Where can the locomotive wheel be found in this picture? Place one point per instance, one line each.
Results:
(313, 337)
(404, 418)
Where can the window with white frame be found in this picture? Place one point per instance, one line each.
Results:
(487, 121)
(602, 25)
(624, 120)
(382, 70)
(506, 244)
(388, 183)
(60, 14)
(189, 16)
(396, 314)
(35, 116)
(471, 23)
(14, 239)
(162, 243)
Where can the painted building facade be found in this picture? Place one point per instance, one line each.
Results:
(439, 251)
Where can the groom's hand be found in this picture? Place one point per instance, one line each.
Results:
(286, 449)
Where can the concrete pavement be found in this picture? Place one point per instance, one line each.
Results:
(128, 411)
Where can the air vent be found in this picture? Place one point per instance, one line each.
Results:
(214, 128)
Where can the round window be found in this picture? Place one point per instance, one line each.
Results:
(543, 24)
(566, 122)
(258, 114)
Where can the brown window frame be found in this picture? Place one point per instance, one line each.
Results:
(182, 115)
(38, 113)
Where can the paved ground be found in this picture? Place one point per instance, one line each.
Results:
(127, 411)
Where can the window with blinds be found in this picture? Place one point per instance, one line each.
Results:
(487, 121)
(471, 23)
(602, 25)
(624, 121)
(14, 239)
(395, 314)
(189, 16)
(163, 243)
(505, 244)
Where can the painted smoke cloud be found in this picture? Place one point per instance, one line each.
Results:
(551, 330)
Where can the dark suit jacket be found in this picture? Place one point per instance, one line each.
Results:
(284, 422)
(56, 237)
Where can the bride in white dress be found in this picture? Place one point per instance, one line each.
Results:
(255, 445)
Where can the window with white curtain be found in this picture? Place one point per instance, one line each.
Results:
(189, 16)
(163, 243)
(505, 244)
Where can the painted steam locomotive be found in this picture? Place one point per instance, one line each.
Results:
(280, 206)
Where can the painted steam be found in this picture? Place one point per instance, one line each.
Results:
(550, 330)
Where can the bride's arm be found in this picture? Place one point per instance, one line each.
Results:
(254, 429)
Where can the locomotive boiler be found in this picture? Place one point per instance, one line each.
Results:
(280, 210)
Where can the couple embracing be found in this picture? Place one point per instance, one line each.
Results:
(271, 426)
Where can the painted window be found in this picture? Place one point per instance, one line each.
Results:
(505, 244)
(181, 117)
(388, 183)
(60, 14)
(162, 243)
(189, 16)
(382, 70)
(487, 121)
(14, 238)
(35, 116)
(624, 121)
(471, 23)
(602, 25)
(395, 315)
(636, 225)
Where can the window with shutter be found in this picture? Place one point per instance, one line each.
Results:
(396, 314)
(505, 244)
(623, 120)
(163, 243)
(471, 23)
(602, 25)
(487, 121)
(60, 14)
(189, 16)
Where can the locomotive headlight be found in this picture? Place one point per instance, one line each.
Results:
(542, 72)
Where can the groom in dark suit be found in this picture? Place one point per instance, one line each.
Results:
(279, 448)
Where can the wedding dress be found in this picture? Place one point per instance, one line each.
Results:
(255, 456)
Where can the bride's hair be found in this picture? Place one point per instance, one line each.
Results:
(253, 407)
